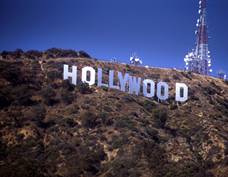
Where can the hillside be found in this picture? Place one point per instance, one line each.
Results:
(50, 128)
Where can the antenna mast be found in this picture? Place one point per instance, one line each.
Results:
(199, 60)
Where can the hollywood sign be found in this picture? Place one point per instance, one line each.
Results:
(126, 83)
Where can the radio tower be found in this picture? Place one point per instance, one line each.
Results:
(199, 60)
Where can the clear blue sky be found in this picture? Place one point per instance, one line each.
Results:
(161, 32)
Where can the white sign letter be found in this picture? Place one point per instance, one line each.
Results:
(123, 81)
(99, 82)
(181, 92)
(134, 85)
(67, 74)
(86, 69)
(162, 91)
(111, 80)
(147, 82)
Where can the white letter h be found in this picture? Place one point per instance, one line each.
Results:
(73, 74)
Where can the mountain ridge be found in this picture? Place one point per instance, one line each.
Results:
(51, 128)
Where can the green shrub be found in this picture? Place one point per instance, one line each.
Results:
(12, 73)
(209, 91)
(176, 77)
(107, 108)
(148, 105)
(104, 88)
(89, 119)
(124, 166)
(4, 100)
(173, 106)
(60, 53)
(166, 80)
(33, 54)
(70, 122)
(23, 166)
(66, 96)
(105, 118)
(35, 113)
(83, 54)
(3, 149)
(84, 88)
(188, 75)
(119, 141)
(90, 158)
(160, 116)
(154, 154)
(52, 75)
(153, 134)
(67, 85)
(128, 67)
(24, 95)
(125, 122)
(48, 94)
(128, 98)
(183, 169)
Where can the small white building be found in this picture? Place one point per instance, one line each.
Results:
(135, 60)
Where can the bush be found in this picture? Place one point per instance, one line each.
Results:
(67, 96)
(69, 53)
(83, 54)
(33, 54)
(72, 109)
(153, 134)
(52, 75)
(209, 91)
(3, 147)
(4, 101)
(226, 82)
(166, 80)
(67, 85)
(48, 95)
(89, 119)
(160, 116)
(148, 105)
(12, 55)
(89, 159)
(53, 53)
(24, 166)
(12, 73)
(188, 75)
(119, 141)
(108, 108)
(155, 76)
(176, 77)
(106, 120)
(35, 113)
(5, 54)
(125, 122)
(173, 106)
(124, 166)
(154, 154)
(84, 88)
(128, 68)
(128, 98)
(21, 95)
(104, 88)
(183, 169)
(70, 122)
(50, 53)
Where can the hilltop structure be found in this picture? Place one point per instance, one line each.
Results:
(199, 60)
(222, 75)
(135, 60)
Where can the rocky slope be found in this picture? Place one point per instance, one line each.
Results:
(51, 128)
